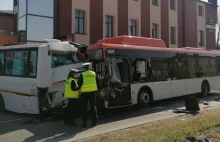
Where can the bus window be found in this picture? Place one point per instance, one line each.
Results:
(33, 64)
(16, 63)
(1, 63)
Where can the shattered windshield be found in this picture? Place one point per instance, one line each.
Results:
(61, 59)
(114, 70)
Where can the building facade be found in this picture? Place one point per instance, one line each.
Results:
(179, 23)
(6, 27)
(6, 20)
(34, 19)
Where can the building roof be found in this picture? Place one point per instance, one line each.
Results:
(206, 2)
(6, 11)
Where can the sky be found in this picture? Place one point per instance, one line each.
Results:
(8, 4)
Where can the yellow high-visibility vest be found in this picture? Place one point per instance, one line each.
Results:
(89, 82)
(69, 93)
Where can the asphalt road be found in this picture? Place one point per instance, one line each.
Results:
(19, 127)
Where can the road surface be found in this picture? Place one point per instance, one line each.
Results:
(16, 127)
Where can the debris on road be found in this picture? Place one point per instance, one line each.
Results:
(193, 139)
(217, 99)
(205, 103)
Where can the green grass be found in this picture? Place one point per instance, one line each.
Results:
(166, 131)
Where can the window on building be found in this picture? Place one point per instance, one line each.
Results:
(200, 10)
(80, 22)
(201, 38)
(133, 27)
(173, 35)
(172, 4)
(155, 2)
(109, 26)
(155, 31)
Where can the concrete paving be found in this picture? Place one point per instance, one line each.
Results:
(14, 129)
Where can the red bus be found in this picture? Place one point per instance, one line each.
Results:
(137, 70)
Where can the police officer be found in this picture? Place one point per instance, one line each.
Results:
(89, 84)
(71, 92)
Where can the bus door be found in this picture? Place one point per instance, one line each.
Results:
(178, 76)
(120, 81)
(162, 83)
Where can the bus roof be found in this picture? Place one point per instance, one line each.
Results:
(142, 43)
(54, 46)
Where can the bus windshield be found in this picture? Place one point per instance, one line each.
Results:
(119, 70)
(61, 59)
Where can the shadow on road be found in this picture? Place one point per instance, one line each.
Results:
(54, 130)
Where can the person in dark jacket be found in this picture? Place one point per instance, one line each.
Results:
(71, 92)
(89, 84)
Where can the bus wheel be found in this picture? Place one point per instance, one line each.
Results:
(144, 98)
(2, 104)
(204, 89)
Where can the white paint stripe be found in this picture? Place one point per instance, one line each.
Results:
(13, 120)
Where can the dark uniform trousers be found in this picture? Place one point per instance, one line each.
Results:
(70, 111)
(89, 97)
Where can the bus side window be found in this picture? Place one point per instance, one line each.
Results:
(16, 63)
(1, 63)
(33, 64)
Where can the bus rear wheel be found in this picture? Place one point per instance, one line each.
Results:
(144, 98)
(204, 89)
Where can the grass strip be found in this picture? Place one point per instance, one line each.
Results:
(173, 130)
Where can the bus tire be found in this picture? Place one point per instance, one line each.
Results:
(204, 88)
(2, 103)
(145, 97)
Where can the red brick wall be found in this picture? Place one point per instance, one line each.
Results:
(6, 22)
(180, 23)
(96, 21)
(145, 18)
(165, 21)
(191, 23)
(64, 17)
(123, 17)
(211, 14)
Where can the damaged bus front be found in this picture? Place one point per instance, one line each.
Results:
(113, 73)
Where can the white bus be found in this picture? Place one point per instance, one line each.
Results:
(32, 76)
(121, 64)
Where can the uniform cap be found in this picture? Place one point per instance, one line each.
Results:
(86, 64)
(74, 70)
